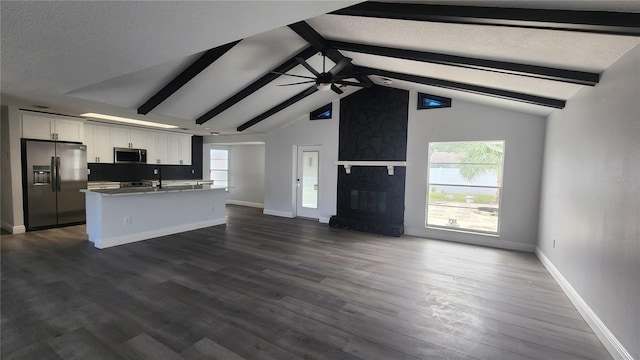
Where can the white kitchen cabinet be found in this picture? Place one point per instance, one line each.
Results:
(173, 149)
(185, 150)
(163, 148)
(99, 145)
(138, 139)
(50, 127)
(128, 138)
(151, 144)
(120, 137)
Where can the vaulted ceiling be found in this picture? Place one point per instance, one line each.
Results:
(213, 66)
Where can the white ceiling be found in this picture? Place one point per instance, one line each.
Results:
(110, 57)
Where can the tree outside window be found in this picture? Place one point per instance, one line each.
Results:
(465, 183)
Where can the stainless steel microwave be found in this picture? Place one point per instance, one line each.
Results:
(129, 156)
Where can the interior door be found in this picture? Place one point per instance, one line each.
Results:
(308, 181)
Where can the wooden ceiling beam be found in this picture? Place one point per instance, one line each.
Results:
(256, 85)
(602, 22)
(206, 59)
(285, 104)
(533, 71)
(470, 88)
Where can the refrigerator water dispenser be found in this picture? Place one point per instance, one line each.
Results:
(41, 175)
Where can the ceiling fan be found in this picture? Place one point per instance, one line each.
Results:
(326, 79)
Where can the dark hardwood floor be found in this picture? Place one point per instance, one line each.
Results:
(264, 287)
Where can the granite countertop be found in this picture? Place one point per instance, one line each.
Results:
(153, 190)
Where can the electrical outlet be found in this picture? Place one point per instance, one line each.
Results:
(213, 209)
(127, 220)
(155, 171)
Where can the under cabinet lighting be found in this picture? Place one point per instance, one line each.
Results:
(128, 121)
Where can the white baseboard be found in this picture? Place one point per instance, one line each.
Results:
(286, 214)
(18, 229)
(245, 203)
(493, 242)
(126, 239)
(609, 341)
(324, 220)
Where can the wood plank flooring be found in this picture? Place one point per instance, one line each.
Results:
(264, 287)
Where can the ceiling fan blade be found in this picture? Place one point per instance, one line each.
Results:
(339, 66)
(336, 89)
(307, 66)
(298, 83)
(310, 90)
(298, 76)
(350, 83)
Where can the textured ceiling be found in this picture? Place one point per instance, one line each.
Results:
(111, 57)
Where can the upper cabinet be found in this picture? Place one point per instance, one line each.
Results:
(162, 147)
(174, 149)
(185, 149)
(99, 145)
(151, 144)
(124, 137)
(51, 127)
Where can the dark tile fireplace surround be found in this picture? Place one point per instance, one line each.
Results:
(373, 127)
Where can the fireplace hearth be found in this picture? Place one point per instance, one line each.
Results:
(370, 200)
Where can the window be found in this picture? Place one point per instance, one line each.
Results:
(464, 186)
(219, 166)
(322, 113)
(426, 101)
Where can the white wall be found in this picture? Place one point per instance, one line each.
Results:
(5, 170)
(12, 213)
(280, 151)
(591, 198)
(246, 175)
(246, 171)
(524, 142)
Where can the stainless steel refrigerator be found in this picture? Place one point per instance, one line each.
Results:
(53, 172)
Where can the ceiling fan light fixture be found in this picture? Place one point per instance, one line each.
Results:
(323, 86)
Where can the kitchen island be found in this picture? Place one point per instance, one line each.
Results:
(126, 215)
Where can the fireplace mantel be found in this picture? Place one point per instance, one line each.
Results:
(389, 164)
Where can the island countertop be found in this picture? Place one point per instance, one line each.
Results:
(121, 216)
(152, 190)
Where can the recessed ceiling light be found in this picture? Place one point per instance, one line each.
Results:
(128, 121)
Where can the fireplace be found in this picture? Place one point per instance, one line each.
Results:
(372, 152)
(371, 200)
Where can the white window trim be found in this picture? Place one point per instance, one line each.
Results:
(464, 230)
